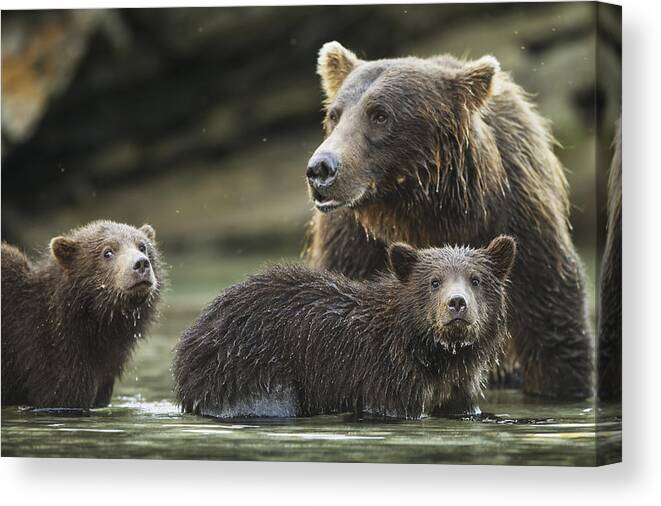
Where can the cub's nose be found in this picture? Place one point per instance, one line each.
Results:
(322, 169)
(457, 305)
(142, 265)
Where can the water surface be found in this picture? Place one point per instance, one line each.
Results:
(143, 422)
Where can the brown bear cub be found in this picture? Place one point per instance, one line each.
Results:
(71, 319)
(294, 341)
(440, 150)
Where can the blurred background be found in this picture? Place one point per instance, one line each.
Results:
(201, 121)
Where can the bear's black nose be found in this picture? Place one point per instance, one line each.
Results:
(142, 265)
(322, 169)
(457, 304)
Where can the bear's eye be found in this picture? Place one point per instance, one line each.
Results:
(108, 253)
(435, 283)
(475, 281)
(333, 116)
(142, 248)
(379, 118)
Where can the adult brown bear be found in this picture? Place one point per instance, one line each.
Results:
(442, 151)
(609, 372)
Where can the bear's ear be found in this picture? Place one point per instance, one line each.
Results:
(333, 66)
(476, 81)
(402, 259)
(502, 251)
(63, 250)
(149, 231)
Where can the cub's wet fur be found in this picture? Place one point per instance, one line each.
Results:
(438, 150)
(71, 319)
(295, 341)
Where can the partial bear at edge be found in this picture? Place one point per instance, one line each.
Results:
(610, 312)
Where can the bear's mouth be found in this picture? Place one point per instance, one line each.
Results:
(455, 346)
(145, 284)
(457, 322)
(456, 333)
(323, 203)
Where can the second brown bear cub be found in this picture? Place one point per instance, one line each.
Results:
(71, 319)
(294, 341)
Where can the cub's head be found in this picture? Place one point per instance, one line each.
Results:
(393, 125)
(111, 262)
(457, 292)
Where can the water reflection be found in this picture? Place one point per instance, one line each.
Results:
(143, 422)
(135, 428)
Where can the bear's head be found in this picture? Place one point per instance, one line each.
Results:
(396, 128)
(457, 292)
(110, 262)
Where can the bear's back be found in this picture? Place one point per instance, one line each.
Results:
(19, 292)
(17, 341)
(15, 267)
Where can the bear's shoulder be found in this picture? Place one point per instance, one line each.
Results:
(14, 261)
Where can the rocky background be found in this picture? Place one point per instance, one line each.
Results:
(200, 121)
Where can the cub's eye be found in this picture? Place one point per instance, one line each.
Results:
(475, 281)
(435, 283)
(333, 116)
(142, 248)
(379, 118)
(108, 253)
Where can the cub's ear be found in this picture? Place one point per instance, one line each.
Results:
(402, 259)
(476, 81)
(149, 231)
(64, 250)
(502, 251)
(333, 66)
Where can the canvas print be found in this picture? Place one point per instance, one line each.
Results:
(358, 233)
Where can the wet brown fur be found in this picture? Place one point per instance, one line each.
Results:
(610, 314)
(333, 344)
(68, 328)
(465, 157)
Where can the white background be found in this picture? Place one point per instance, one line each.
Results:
(636, 481)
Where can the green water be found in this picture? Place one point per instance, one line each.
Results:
(142, 421)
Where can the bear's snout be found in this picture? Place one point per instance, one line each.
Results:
(322, 170)
(138, 274)
(142, 273)
(142, 266)
(457, 306)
